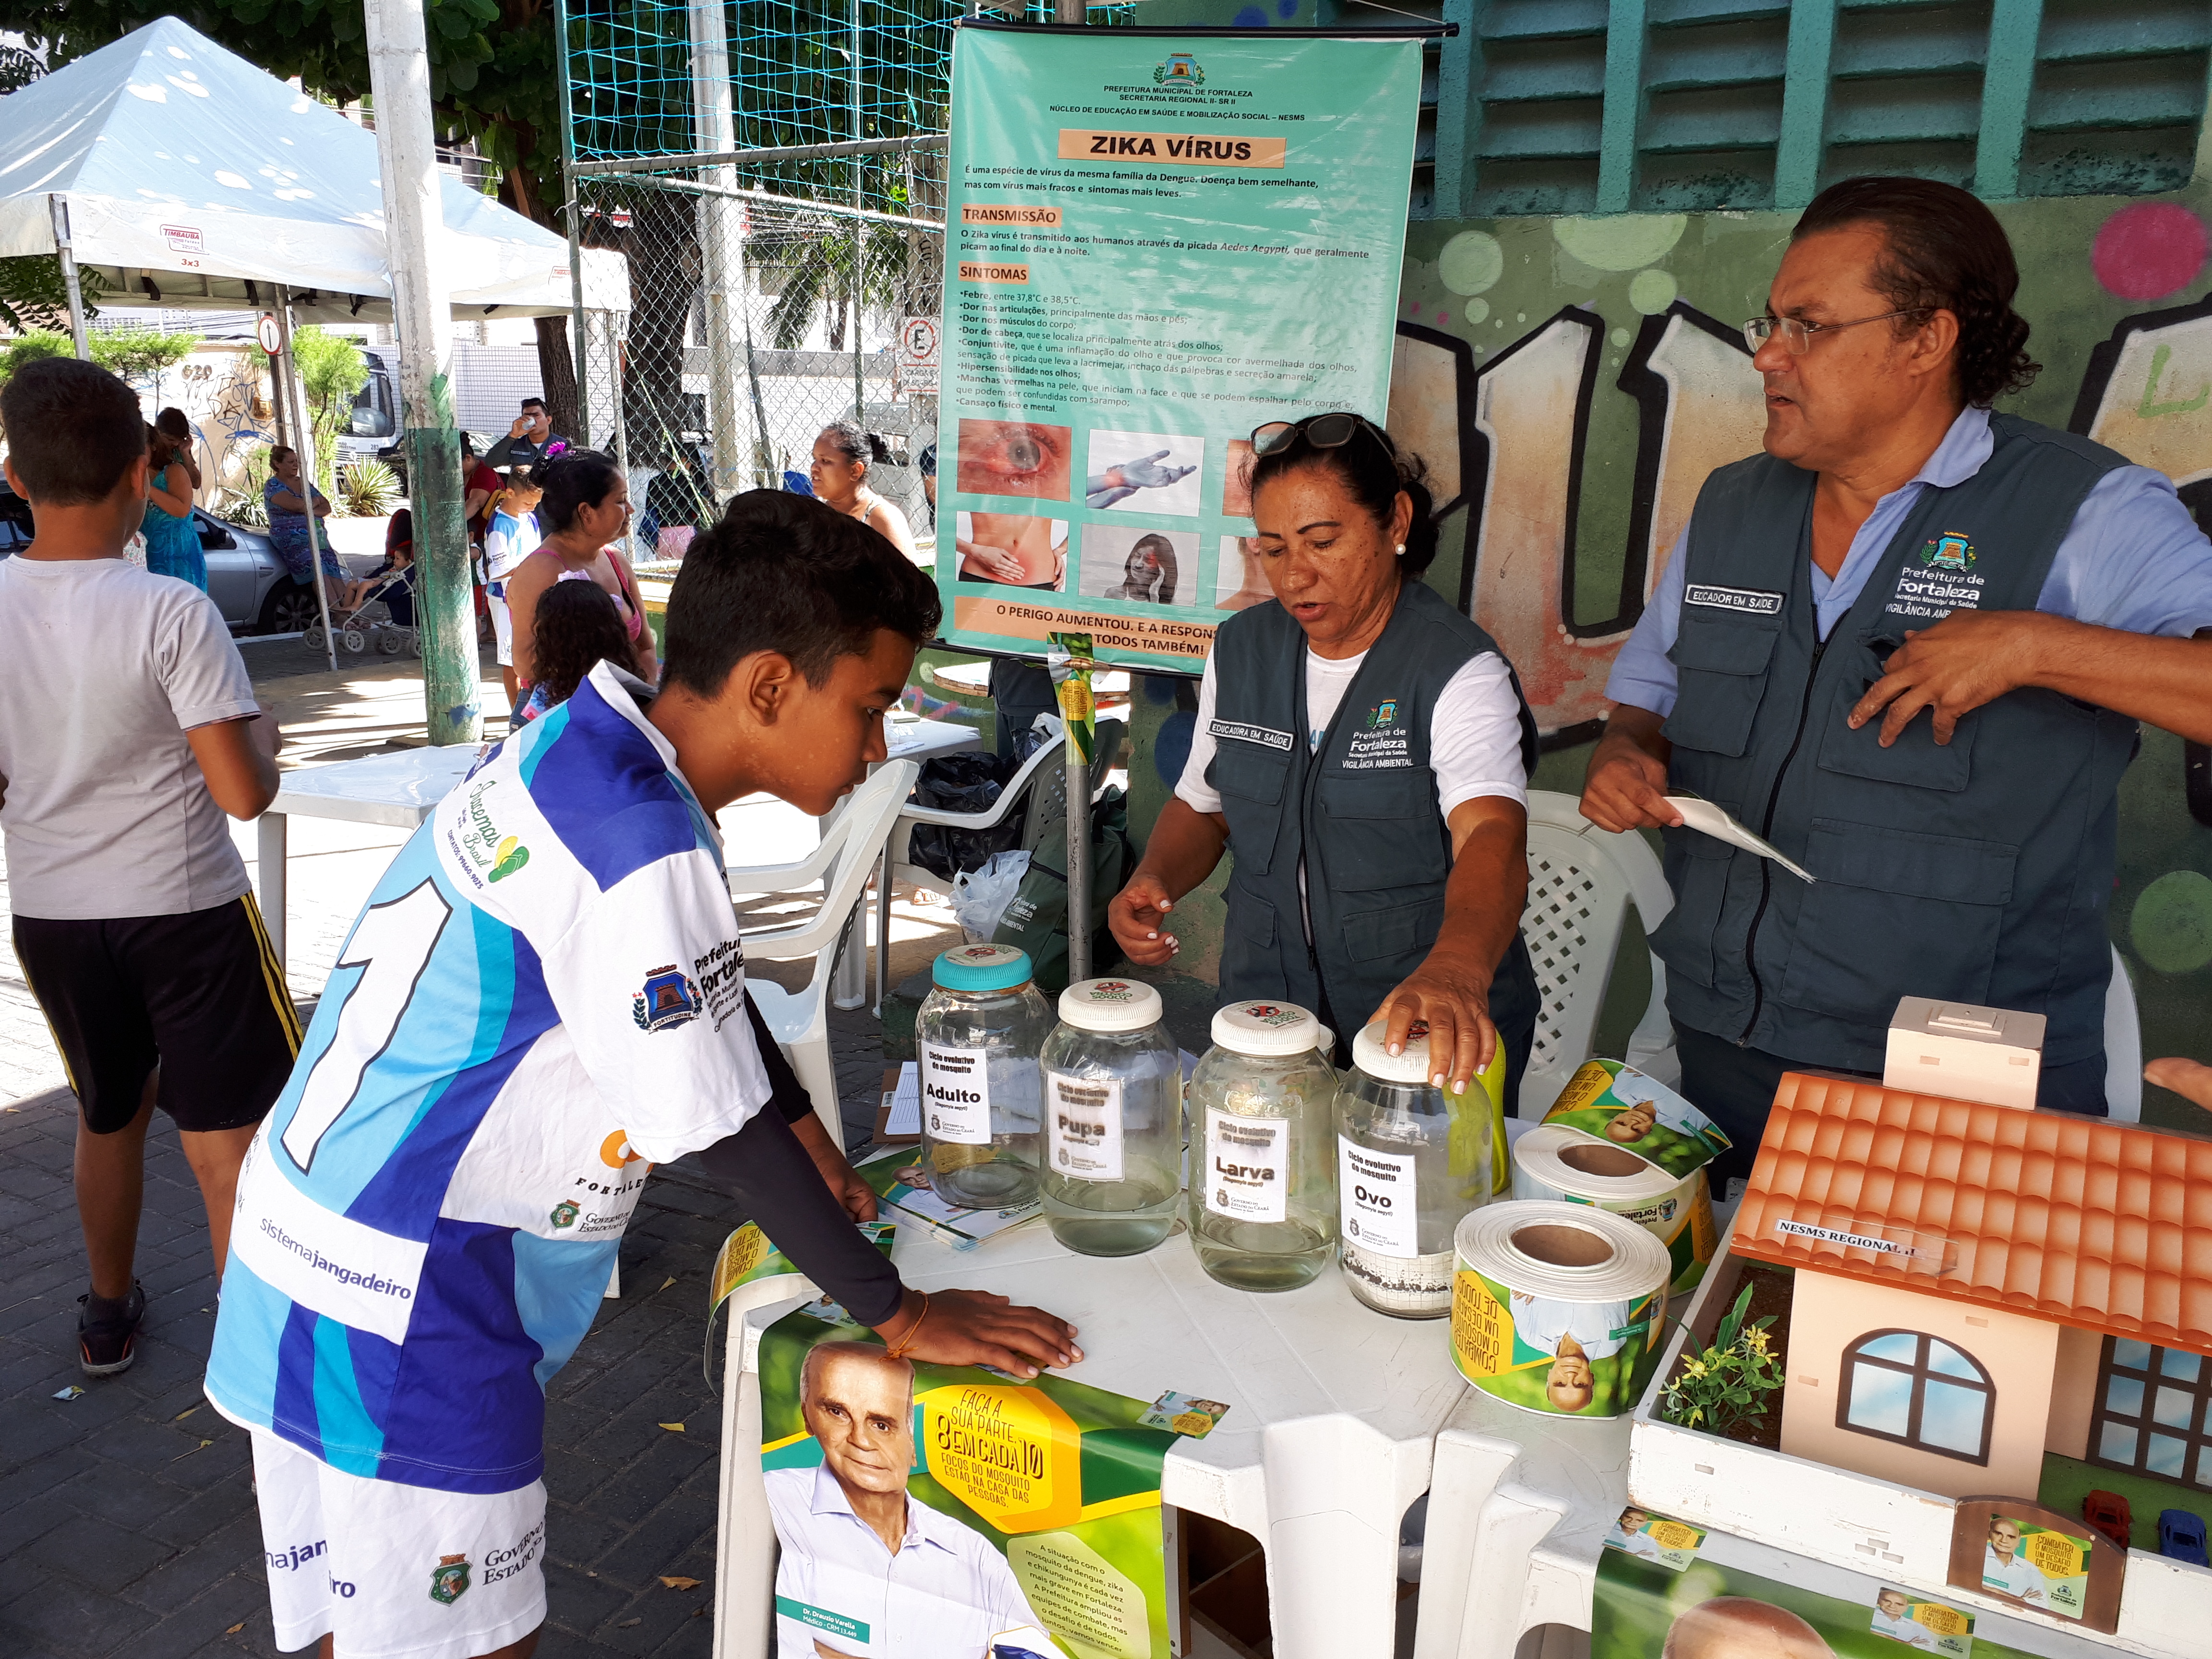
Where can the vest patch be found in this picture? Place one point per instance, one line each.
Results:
(1383, 740)
(1261, 735)
(1752, 601)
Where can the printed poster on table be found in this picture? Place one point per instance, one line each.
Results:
(1644, 1609)
(1024, 1516)
(1154, 242)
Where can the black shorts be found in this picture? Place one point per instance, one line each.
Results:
(201, 995)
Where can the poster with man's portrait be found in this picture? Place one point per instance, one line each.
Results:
(940, 1512)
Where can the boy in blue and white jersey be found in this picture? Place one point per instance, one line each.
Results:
(543, 998)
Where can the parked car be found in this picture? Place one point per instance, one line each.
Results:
(245, 578)
(2109, 1513)
(2181, 1537)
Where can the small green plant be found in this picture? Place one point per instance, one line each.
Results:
(1727, 1384)
(367, 489)
(246, 504)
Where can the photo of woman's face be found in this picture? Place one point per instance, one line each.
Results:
(1014, 458)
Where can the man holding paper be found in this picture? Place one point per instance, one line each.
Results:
(1899, 549)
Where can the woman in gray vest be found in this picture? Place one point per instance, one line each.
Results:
(1364, 750)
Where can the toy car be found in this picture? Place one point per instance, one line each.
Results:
(2108, 1512)
(2181, 1536)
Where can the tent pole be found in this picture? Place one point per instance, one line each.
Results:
(59, 207)
(421, 312)
(294, 399)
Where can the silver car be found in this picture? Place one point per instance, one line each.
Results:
(245, 578)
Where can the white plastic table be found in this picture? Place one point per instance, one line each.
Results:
(907, 739)
(399, 788)
(1333, 1410)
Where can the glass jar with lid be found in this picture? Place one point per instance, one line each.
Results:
(1113, 1120)
(979, 1032)
(1263, 1164)
(1413, 1159)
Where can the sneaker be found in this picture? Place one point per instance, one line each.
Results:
(108, 1343)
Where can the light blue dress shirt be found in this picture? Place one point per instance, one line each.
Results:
(2134, 560)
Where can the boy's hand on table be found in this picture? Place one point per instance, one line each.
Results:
(977, 1328)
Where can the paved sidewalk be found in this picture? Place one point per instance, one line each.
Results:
(127, 1522)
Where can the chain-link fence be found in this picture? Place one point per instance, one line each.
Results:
(773, 173)
(753, 326)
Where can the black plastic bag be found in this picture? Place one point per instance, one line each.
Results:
(969, 782)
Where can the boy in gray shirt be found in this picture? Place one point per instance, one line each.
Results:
(128, 728)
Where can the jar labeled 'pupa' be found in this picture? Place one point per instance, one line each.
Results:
(1113, 1120)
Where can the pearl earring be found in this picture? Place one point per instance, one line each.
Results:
(1401, 548)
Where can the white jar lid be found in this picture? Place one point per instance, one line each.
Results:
(1369, 1055)
(1110, 1005)
(1265, 1029)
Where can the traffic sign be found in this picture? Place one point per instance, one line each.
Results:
(918, 355)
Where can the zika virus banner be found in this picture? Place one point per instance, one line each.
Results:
(1154, 242)
(1025, 1518)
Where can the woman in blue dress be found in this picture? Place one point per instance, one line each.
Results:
(286, 495)
(173, 539)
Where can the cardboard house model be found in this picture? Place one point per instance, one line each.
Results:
(1976, 1285)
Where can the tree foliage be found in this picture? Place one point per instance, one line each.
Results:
(33, 294)
(333, 370)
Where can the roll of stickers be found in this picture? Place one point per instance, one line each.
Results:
(1619, 1103)
(1557, 1163)
(1558, 1309)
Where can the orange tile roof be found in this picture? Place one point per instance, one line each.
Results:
(2077, 1220)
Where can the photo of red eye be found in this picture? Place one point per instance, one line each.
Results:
(1014, 458)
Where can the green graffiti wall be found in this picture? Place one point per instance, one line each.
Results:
(1572, 380)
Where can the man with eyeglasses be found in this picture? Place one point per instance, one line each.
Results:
(1899, 551)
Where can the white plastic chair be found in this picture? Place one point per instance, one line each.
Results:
(842, 863)
(1582, 879)
(1049, 757)
(2123, 1058)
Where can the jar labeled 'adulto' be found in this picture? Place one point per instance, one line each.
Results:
(979, 1032)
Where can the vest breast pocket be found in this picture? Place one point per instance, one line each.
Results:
(1249, 780)
(1916, 759)
(1720, 671)
(1895, 913)
(1380, 830)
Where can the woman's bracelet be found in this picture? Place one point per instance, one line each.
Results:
(904, 1345)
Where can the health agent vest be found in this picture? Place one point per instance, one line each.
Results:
(1361, 813)
(1973, 872)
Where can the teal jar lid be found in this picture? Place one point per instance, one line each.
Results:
(982, 967)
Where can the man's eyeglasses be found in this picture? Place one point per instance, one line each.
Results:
(1797, 335)
(1332, 431)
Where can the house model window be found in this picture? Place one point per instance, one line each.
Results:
(2151, 1412)
(1918, 1390)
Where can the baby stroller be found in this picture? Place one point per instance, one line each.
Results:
(384, 620)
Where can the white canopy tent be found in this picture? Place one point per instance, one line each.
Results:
(193, 179)
(189, 178)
